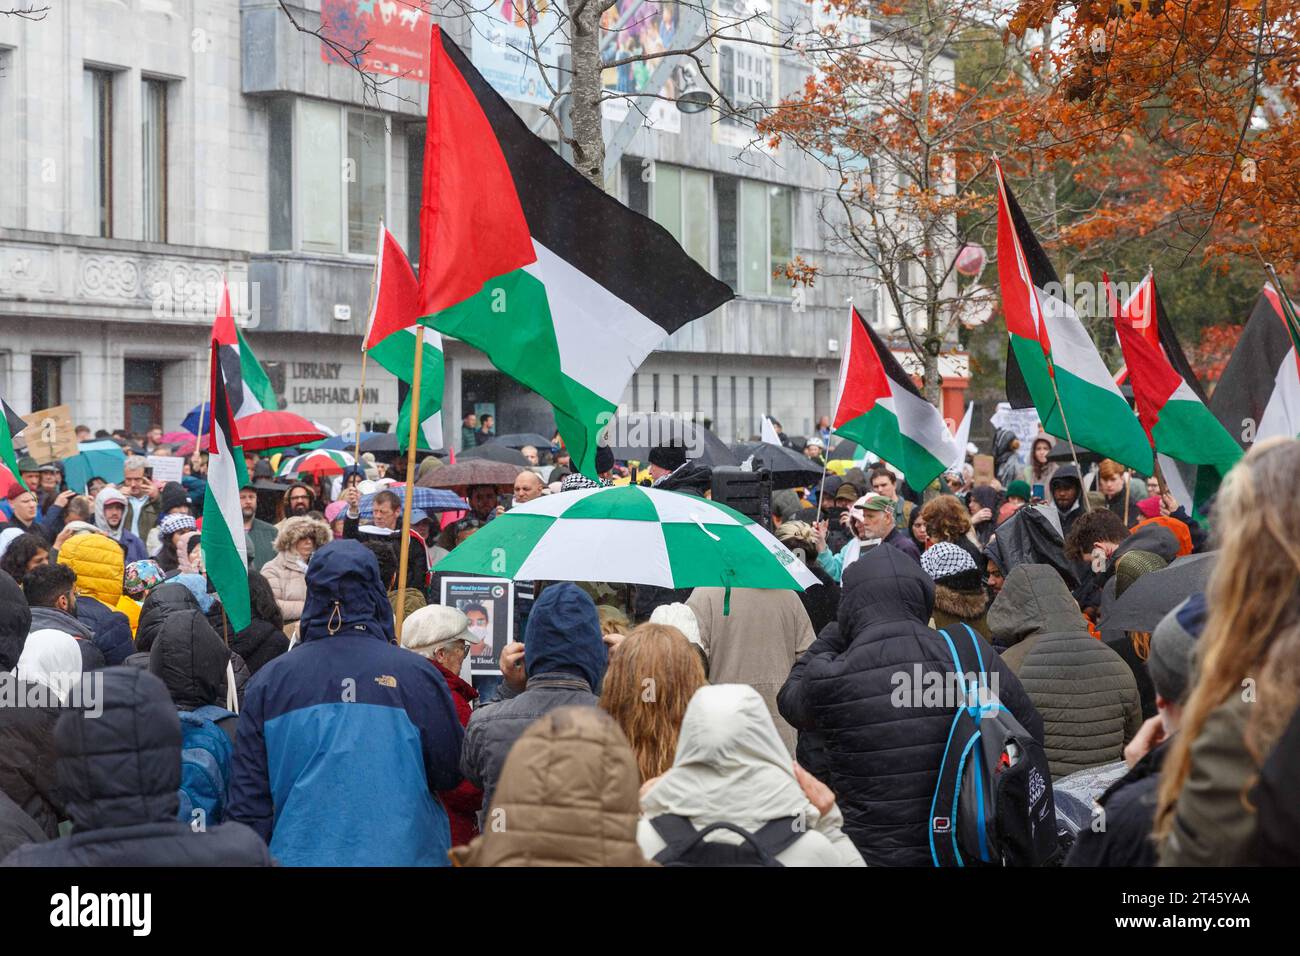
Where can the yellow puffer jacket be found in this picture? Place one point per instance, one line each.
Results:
(99, 564)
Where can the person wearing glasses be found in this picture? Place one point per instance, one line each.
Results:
(296, 503)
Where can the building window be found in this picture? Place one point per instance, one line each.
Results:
(153, 153)
(340, 186)
(142, 388)
(47, 381)
(638, 185)
(755, 233)
(98, 137)
(280, 166)
(414, 189)
(680, 201)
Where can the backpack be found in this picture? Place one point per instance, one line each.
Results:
(687, 846)
(205, 766)
(993, 803)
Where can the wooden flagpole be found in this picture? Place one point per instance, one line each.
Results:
(412, 434)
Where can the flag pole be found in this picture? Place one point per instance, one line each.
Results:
(404, 559)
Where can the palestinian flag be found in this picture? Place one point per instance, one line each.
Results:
(391, 338)
(564, 288)
(1146, 314)
(1048, 345)
(249, 389)
(881, 409)
(1258, 395)
(11, 423)
(225, 555)
(1175, 419)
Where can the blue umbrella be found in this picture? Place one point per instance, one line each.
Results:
(102, 458)
(346, 443)
(427, 499)
(198, 414)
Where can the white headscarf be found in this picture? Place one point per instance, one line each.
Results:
(51, 658)
(731, 765)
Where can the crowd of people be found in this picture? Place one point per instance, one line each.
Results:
(634, 725)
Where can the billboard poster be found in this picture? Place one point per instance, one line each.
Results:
(513, 42)
(488, 604)
(397, 35)
(630, 28)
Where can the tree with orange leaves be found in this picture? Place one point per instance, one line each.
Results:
(1207, 92)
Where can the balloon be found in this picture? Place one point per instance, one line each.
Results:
(971, 259)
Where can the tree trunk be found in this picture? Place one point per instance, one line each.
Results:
(588, 141)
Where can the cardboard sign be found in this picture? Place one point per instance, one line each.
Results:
(167, 468)
(50, 434)
(983, 469)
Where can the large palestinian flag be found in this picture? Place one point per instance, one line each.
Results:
(11, 423)
(564, 288)
(880, 408)
(1048, 345)
(1258, 395)
(1173, 415)
(1146, 314)
(391, 337)
(250, 390)
(225, 553)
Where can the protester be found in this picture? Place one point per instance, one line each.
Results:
(1113, 482)
(983, 504)
(561, 662)
(850, 696)
(297, 501)
(110, 518)
(1251, 640)
(752, 636)
(947, 519)
(651, 678)
(567, 796)
(1040, 471)
(141, 577)
(872, 521)
(170, 529)
(189, 553)
(731, 768)
(98, 564)
(298, 539)
(259, 534)
(1129, 804)
(1085, 692)
(528, 486)
(162, 603)
(1006, 457)
(51, 592)
(1067, 494)
(173, 500)
(916, 529)
(959, 596)
(1017, 497)
(142, 498)
(441, 636)
(468, 429)
(120, 772)
(305, 750)
(25, 553)
(23, 504)
(821, 600)
(884, 482)
(264, 638)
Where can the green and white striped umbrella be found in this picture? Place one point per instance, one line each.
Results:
(318, 462)
(629, 535)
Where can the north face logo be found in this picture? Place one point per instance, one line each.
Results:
(385, 680)
(1037, 786)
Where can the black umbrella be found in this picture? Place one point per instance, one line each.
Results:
(634, 434)
(789, 468)
(491, 452)
(1064, 451)
(1156, 593)
(846, 450)
(520, 439)
(381, 444)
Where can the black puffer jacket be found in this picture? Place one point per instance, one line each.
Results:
(16, 827)
(822, 600)
(27, 759)
(162, 602)
(15, 622)
(120, 774)
(883, 759)
(1087, 695)
(191, 660)
(259, 643)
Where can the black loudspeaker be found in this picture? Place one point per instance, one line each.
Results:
(749, 492)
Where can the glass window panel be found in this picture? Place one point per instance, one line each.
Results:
(638, 190)
(414, 188)
(697, 216)
(97, 108)
(724, 194)
(367, 169)
(280, 172)
(780, 203)
(753, 238)
(320, 180)
(154, 159)
(668, 198)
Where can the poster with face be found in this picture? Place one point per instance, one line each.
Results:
(488, 605)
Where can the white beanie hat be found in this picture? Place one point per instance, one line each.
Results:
(433, 626)
(681, 617)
